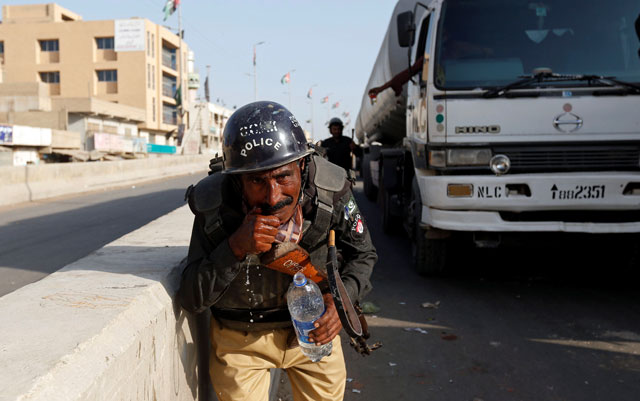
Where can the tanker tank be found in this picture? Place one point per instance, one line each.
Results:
(384, 121)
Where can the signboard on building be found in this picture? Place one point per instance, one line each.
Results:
(140, 145)
(31, 136)
(129, 35)
(6, 135)
(153, 148)
(112, 143)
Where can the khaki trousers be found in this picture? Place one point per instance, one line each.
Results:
(240, 361)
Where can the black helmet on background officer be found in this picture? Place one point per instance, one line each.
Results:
(336, 127)
(335, 121)
(262, 136)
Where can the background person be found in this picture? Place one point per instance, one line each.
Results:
(339, 147)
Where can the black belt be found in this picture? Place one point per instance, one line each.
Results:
(253, 315)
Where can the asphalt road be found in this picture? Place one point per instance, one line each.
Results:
(41, 237)
(541, 322)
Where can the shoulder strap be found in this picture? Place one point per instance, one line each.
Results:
(205, 199)
(328, 179)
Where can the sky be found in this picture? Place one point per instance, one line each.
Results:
(330, 45)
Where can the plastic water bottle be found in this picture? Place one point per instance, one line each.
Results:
(306, 305)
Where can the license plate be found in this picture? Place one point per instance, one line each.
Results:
(578, 192)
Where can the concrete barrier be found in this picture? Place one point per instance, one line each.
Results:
(34, 182)
(105, 327)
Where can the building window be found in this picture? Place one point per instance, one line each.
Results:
(1, 52)
(105, 43)
(148, 76)
(169, 57)
(168, 85)
(107, 75)
(153, 45)
(153, 77)
(49, 45)
(50, 77)
(154, 109)
(169, 114)
(148, 43)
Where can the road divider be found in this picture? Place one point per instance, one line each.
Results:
(35, 182)
(106, 327)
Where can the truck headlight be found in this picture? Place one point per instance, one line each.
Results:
(468, 157)
(437, 158)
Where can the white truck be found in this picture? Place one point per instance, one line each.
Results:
(524, 117)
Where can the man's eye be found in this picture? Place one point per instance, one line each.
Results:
(256, 181)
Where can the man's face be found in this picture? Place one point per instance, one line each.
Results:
(336, 130)
(273, 192)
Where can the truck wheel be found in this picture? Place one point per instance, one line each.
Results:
(390, 223)
(429, 256)
(369, 189)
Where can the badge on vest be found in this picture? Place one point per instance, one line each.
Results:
(349, 209)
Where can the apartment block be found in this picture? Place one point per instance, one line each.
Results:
(132, 62)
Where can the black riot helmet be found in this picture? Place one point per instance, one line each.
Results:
(261, 136)
(335, 121)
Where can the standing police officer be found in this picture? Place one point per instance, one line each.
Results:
(272, 189)
(339, 147)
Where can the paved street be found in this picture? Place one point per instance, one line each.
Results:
(41, 237)
(526, 324)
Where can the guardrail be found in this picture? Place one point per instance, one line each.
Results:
(106, 327)
(34, 182)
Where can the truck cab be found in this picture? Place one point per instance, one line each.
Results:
(524, 118)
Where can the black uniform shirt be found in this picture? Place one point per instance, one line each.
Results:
(339, 151)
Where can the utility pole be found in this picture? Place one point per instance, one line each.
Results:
(255, 72)
(181, 124)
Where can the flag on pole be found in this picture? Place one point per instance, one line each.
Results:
(254, 56)
(286, 78)
(169, 8)
(335, 105)
(345, 114)
(324, 99)
(206, 90)
(309, 93)
(178, 96)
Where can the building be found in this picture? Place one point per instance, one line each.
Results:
(134, 63)
(35, 126)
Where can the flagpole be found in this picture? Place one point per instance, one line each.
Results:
(255, 71)
(180, 58)
(310, 96)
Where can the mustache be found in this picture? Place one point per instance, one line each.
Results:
(268, 209)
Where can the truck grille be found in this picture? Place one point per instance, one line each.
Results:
(572, 158)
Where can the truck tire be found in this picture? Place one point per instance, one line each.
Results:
(390, 223)
(370, 190)
(428, 256)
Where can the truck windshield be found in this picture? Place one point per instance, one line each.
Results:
(491, 43)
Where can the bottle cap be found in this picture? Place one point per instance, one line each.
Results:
(299, 279)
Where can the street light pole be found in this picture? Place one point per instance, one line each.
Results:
(255, 72)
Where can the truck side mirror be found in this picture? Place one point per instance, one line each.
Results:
(406, 29)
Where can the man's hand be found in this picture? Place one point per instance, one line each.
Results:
(255, 235)
(328, 325)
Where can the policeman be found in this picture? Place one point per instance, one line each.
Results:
(272, 188)
(339, 147)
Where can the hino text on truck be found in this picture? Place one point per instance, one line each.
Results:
(487, 118)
